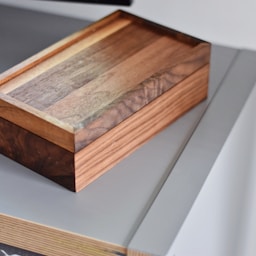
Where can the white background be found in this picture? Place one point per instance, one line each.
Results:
(226, 22)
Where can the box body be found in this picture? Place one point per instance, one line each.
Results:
(74, 110)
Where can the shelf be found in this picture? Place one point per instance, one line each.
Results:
(112, 216)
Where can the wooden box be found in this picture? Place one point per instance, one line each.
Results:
(75, 109)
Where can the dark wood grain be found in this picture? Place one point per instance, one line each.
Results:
(37, 154)
(137, 98)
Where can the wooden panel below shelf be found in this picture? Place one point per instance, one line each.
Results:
(52, 242)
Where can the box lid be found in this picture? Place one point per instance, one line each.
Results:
(78, 89)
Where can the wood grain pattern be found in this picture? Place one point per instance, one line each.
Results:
(146, 91)
(37, 154)
(52, 242)
(111, 85)
(37, 122)
(112, 147)
(97, 90)
(83, 67)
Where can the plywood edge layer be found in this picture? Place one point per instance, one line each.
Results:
(131, 252)
(55, 48)
(52, 241)
(99, 156)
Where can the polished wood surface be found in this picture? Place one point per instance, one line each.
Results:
(101, 93)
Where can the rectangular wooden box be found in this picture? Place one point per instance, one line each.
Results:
(75, 109)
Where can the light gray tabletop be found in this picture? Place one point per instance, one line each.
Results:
(142, 202)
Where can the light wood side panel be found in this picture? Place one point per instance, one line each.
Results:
(37, 122)
(95, 159)
(52, 242)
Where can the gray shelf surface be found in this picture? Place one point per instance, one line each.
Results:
(142, 202)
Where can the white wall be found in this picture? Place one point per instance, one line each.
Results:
(226, 22)
(222, 221)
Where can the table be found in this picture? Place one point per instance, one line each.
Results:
(139, 206)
